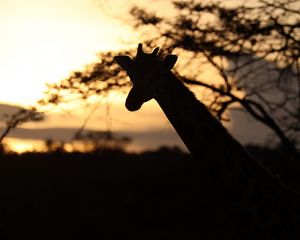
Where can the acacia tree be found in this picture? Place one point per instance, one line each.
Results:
(18, 118)
(253, 50)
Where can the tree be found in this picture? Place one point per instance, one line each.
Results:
(252, 48)
(20, 117)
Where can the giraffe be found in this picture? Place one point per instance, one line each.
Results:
(242, 198)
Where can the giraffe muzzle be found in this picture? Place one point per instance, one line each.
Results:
(133, 101)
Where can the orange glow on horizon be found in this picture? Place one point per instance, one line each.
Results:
(21, 146)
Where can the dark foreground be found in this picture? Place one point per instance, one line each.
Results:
(112, 195)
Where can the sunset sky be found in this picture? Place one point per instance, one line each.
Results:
(44, 40)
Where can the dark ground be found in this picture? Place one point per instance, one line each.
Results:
(107, 195)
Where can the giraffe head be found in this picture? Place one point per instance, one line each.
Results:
(144, 71)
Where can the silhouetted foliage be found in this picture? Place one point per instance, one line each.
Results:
(88, 142)
(22, 116)
(101, 140)
(252, 48)
(54, 146)
(59, 195)
(3, 149)
(97, 79)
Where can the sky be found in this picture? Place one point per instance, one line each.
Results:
(44, 40)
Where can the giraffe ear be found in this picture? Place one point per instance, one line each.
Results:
(125, 62)
(170, 61)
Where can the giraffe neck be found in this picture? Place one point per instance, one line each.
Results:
(219, 154)
(199, 130)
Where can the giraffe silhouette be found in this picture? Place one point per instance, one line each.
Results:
(241, 199)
